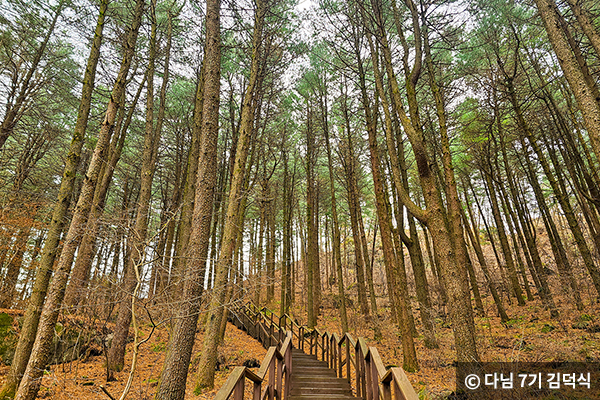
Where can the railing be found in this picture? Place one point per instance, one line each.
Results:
(276, 368)
(352, 359)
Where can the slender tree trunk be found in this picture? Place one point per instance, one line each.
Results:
(337, 253)
(287, 260)
(474, 238)
(453, 274)
(13, 111)
(32, 267)
(136, 261)
(259, 262)
(87, 249)
(41, 350)
(312, 255)
(206, 128)
(369, 261)
(11, 277)
(270, 253)
(506, 252)
(208, 356)
(560, 195)
(59, 213)
(590, 108)
(397, 300)
(189, 194)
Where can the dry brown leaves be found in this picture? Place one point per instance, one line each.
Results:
(82, 379)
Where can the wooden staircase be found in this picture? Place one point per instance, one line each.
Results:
(323, 366)
(314, 380)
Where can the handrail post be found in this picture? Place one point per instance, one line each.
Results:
(334, 353)
(280, 363)
(374, 379)
(271, 331)
(238, 392)
(272, 367)
(288, 369)
(358, 368)
(387, 390)
(330, 351)
(368, 378)
(363, 375)
(326, 349)
(257, 391)
(339, 359)
(348, 375)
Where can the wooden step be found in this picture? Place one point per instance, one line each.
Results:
(310, 364)
(312, 379)
(304, 371)
(322, 397)
(320, 380)
(321, 390)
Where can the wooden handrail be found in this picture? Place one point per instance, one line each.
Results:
(372, 380)
(343, 354)
(276, 367)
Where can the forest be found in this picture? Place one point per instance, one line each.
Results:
(421, 173)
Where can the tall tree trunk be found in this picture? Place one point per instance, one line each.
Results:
(206, 128)
(189, 193)
(590, 108)
(270, 253)
(453, 273)
(59, 213)
(506, 252)
(287, 259)
(337, 253)
(312, 258)
(259, 251)
(475, 242)
(87, 249)
(13, 111)
(32, 267)
(208, 356)
(11, 277)
(133, 268)
(41, 350)
(399, 301)
(560, 194)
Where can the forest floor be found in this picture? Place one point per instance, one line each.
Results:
(530, 335)
(81, 379)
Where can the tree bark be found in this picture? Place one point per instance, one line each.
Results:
(138, 244)
(13, 112)
(590, 108)
(208, 358)
(312, 256)
(453, 274)
(337, 252)
(41, 350)
(206, 129)
(59, 213)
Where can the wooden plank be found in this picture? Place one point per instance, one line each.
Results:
(252, 376)
(230, 383)
(404, 389)
(362, 343)
(266, 362)
(238, 393)
(381, 371)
